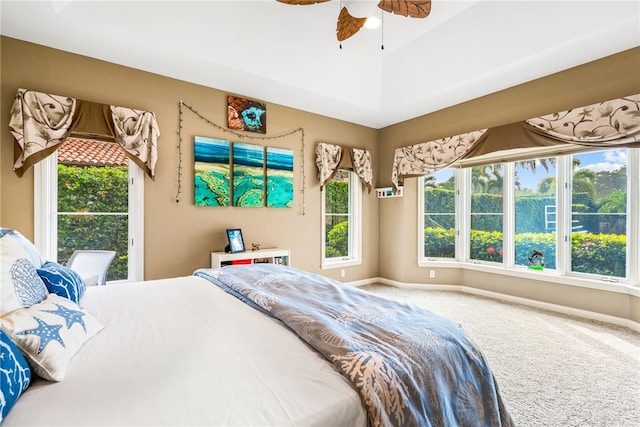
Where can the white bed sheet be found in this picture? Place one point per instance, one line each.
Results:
(183, 352)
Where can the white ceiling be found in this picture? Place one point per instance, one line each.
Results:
(289, 55)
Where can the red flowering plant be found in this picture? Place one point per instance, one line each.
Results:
(493, 255)
(486, 245)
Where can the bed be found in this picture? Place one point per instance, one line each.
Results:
(212, 349)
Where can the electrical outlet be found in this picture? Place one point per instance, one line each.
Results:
(432, 274)
(342, 273)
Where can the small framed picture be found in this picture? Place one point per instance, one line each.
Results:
(236, 243)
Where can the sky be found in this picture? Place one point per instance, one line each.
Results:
(609, 160)
(598, 161)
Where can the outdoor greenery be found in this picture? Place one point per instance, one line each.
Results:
(337, 226)
(598, 219)
(85, 194)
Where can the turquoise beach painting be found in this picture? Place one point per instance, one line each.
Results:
(248, 175)
(279, 178)
(212, 172)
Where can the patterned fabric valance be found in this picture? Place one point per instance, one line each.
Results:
(429, 157)
(616, 121)
(40, 122)
(329, 158)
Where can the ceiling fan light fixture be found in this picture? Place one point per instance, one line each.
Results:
(372, 22)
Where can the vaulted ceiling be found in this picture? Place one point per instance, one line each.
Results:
(289, 55)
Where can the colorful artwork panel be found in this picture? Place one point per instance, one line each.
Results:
(245, 114)
(212, 172)
(248, 175)
(279, 178)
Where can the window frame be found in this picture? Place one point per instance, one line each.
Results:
(562, 274)
(354, 256)
(422, 259)
(46, 214)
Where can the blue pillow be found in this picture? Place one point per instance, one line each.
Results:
(15, 374)
(62, 281)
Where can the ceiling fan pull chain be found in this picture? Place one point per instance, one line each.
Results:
(340, 44)
(382, 30)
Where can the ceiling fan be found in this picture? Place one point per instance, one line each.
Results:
(348, 25)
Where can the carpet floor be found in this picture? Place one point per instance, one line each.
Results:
(551, 369)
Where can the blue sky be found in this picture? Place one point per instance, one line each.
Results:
(609, 160)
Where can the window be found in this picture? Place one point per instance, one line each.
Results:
(439, 219)
(536, 213)
(599, 213)
(341, 223)
(576, 213)
(90, 196)
(486, 214)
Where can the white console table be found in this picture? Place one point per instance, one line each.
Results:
(273, 256)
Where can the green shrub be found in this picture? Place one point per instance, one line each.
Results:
(603, 254)
(88, 190)
(338, 241)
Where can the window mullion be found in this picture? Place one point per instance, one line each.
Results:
(45, 207)
(633, 215)
(508, 215)
(563, 214)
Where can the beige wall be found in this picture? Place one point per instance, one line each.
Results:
(608, 78)
(180, 236)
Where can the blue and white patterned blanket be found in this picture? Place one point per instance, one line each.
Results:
(410, 366)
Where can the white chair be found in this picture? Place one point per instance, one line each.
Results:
(92, 266)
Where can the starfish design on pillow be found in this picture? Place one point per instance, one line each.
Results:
(70, 316)
(45, 332)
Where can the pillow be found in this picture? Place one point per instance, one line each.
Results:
(61, 280)
(29, 248)
(21, 286)
(50, 333)
(15, 374)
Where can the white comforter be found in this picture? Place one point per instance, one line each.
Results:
(183, 352)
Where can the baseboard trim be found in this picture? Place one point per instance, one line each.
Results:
(627, 323)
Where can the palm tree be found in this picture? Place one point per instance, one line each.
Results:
(615, 202)
(547, 185)
(583, 182)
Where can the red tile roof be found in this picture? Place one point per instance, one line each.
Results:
(86, 152)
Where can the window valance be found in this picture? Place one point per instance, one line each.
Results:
(40, 122)
(613, 122)
(429, 157)
(330, 158)
(616, 121)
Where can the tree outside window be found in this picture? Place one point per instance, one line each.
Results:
(93, 202)
(486, 233)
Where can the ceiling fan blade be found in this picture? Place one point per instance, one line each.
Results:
(412, 9)
(348, 25)
(302, 2)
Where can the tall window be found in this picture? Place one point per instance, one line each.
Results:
(91, 198)
(536, 213)
(486, 214)
(341, 220)
(439, 219)
(599, 213)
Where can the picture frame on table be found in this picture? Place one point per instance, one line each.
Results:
(236, 242)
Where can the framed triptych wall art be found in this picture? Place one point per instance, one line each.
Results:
(241, 174)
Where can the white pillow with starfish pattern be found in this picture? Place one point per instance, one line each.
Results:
(50, 333)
